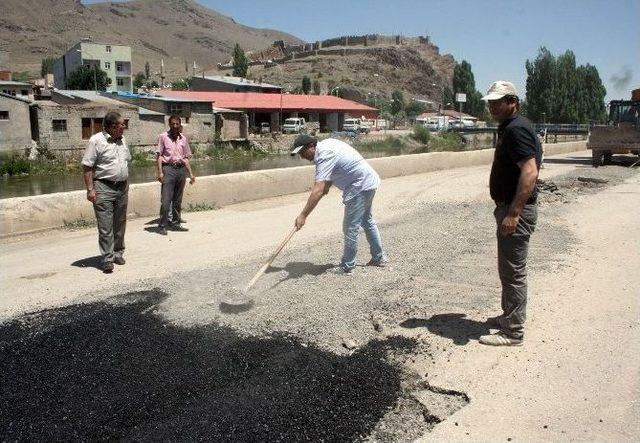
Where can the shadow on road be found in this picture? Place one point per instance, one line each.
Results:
(90, 262)
(296, 270)
(456, 327)
(114, 370)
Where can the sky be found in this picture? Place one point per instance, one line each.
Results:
(495, 36)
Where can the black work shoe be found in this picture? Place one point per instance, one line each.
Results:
(178, 228)
(494, 322)
(119, 260)
(162, 230)
(107, 268)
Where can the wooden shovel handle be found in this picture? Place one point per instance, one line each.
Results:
(271, 259)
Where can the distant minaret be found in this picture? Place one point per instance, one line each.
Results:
(162, 73)
(194, 68)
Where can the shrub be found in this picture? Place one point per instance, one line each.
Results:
(421, 134)
(14, 166)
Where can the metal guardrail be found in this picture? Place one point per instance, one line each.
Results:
(552, 129)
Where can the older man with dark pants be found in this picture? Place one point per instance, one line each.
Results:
(106, 171)
(512, 184)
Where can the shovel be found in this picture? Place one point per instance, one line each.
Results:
(239, 300)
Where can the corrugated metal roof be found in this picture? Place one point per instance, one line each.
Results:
(257, 100)
(239, 81)
(12, 83)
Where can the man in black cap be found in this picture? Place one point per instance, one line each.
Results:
(339, 164)
(512, 184)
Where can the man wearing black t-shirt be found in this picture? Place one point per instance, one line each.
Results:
(512, 184)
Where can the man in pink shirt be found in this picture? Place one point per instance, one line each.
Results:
(172, 154)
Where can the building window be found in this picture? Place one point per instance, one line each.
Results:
(175, 108)
(120, 82)
(10, 92)
(24, 92)
(119, 67)
(90, 126)
(59, 125)
(107, 65)
(4, 115)
(186, 120)
(108, 48)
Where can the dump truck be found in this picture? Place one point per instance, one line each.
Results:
(621, 134)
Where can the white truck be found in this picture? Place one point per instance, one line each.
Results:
(294, 125)
(355, 125)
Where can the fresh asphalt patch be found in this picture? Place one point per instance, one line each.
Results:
(114, 370)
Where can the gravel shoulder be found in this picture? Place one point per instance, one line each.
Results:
(577, 373)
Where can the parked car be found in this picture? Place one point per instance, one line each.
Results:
(294, 125)
(355, 125)
(265, 128)
(456, 124)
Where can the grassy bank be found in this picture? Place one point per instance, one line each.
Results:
(46, 163)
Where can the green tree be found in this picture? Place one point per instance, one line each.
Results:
(316, 87)
(464, 82)
(138, 80)
(240, 62)
(565, 105)
(559, 91)
(147, 70)
(181, 85)
(414, 108)
(541, 84)
(46, 66)
(22, 76)
(449, 98)
(595, 92)
(397, 102)
(88, 79)
(306, 84)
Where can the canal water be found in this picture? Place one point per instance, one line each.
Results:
(22, 186)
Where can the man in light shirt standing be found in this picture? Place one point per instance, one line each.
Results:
(106, 170)
(339, 164)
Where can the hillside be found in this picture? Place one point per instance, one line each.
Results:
(182, 31)
(361, 72)
(176, 30)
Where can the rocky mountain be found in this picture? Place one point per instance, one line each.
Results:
(177, 31)
(182, 31)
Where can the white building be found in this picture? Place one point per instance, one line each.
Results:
(115, 60)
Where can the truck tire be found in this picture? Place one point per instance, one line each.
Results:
(596, 158)
(606, 157)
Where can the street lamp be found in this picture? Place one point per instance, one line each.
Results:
(442, 101)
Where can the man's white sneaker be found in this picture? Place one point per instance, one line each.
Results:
(500, 339)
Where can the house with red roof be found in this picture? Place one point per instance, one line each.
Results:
(326, 111)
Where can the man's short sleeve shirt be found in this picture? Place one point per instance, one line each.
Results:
(173, 151)
(342, 165)
(516, 142)
(108, 157)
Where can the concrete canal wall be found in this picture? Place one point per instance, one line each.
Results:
(21, 215)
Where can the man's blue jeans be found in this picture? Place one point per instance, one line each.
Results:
(357, 212)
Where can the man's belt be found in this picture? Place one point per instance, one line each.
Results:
(174, 165)
(531, 201)
(111, 182)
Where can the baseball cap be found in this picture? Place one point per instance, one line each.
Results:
(499, 89)
(300, 142)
